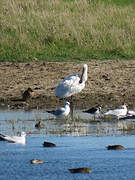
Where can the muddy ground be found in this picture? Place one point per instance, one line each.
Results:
(110, 83)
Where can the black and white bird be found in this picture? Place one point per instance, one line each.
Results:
(14, 139)
(72, 84)
(119, 112)
(94, 111)
(61, 112)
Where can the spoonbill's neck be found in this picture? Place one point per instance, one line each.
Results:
(84, 75)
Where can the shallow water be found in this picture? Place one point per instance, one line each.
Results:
(70, 152)
(78, 144)
(12, 122)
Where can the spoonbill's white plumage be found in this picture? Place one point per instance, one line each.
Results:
(72, 84)
(61, 112)
(14, 139)
(120, 112)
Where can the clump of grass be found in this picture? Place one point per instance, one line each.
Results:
(65, 29)
(126, 126)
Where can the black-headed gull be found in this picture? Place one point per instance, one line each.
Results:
(94, 111)
(130, 112)
(61, 112)
(120, 112)
(72, 84)
(14, 139)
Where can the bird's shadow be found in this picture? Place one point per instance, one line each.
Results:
(18, 100)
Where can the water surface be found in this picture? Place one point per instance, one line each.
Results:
(81, 143)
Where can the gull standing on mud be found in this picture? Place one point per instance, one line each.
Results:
(14, 139)
(120, 112)
(72, 84)
(61, 112)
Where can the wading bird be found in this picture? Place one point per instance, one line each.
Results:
(72, 84)
(61, 112)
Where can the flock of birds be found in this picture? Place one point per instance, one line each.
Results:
(71, 85)
(64, 111)
(74, 84)
(120, 113)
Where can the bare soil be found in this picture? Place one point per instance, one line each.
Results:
(110, 83)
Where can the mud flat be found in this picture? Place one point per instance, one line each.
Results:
(110, 82)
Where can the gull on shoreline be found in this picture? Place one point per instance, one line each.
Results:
(14, 139)
(61, 112)
(119, 112)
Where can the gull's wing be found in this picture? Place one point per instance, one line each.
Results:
(2, 137)
(6, 138)
(91, 110)
(59, 111)
(115, 112)
(13, 139)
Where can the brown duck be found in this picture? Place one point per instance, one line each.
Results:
(80, 170)
(49, 144)
(115, 147)
(39, 125)
(29, 93)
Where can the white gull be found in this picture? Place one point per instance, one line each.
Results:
(119, 112)
(14, 139)
(61, 112)
(131, 112)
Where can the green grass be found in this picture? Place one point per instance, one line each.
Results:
(118, 2)
(66, 30)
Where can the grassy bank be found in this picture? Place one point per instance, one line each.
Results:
(66, 29)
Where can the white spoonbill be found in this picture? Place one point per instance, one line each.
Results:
(120, 112)
(72, 84)
(14, 139)
(61, 112)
